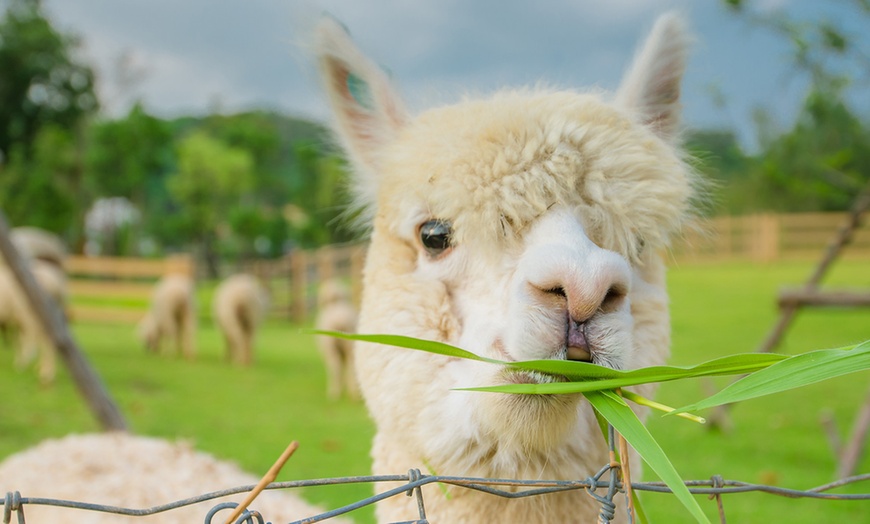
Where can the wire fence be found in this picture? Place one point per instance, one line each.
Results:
(604, 486)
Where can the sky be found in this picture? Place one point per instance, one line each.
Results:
(184, 57)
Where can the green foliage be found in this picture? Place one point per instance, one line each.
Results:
(211, 179)
(41, 83)
(823, 160)
(41, 190)
(125, 155)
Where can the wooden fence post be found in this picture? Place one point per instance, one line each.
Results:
(299, 285)
(51, 318)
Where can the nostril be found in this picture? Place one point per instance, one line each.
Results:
(558, 291)
(613, 299)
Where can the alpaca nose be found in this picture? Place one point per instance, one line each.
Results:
(599, 285)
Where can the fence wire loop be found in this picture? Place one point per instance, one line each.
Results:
(12, 503)
(247, 517)
(608, 507)
(717, 483)
(413, 476)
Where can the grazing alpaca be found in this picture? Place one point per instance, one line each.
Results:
(135, 472)
(39, 244)
(240, 303)
(529, 225)
(335, 312)
(172, 316)
(17, 315)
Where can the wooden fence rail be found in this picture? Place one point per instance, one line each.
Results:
(769, 238)
(294, 279)
(93, 280)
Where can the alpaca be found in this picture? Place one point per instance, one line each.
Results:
(38, 244)
(335, 312)
(16, 314)
(172, 315)
(34, 243)
(527, 225)
(136, 472)
(239, 304)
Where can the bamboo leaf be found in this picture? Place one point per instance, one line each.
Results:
(619, 414)
(793, 372)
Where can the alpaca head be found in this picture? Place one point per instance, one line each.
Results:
(148, 332)
(528, 225)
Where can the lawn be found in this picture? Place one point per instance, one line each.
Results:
(249, 415)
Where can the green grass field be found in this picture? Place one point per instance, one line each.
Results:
(249, 415)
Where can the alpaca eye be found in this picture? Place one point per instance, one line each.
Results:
(435, 236)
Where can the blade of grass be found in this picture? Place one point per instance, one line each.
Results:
(620, 415)
(643, 401)
(794, 372)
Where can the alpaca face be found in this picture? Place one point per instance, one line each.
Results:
(523, 226)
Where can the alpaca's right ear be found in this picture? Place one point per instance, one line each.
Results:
(368, 112)
(651, 87)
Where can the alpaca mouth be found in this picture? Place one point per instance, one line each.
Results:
(577, 341)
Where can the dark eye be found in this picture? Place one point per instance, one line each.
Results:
(435, 236)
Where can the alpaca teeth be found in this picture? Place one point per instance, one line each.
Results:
(582, 354)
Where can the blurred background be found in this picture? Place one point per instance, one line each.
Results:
(193, 134)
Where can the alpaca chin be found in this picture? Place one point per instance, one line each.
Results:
(529, 423)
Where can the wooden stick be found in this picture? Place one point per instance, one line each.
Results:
(851, 453)
(626, 472)
(267, 479)
(52, 321)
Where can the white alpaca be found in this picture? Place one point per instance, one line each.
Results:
(335, 312)
(172, 316)
(239, 304)
(39, 244)
(135, 472)
(529, 225)
(17, 315)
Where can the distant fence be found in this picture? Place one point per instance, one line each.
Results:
(764, 238)
(97, 283)
(293, 280)
(769, 238)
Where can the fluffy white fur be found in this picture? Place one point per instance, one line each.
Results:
(239, 304)
(336, 312)
(17, 315)
(172, 316)
(560, 205)
(135, 472)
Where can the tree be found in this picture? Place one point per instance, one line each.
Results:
(823, 161)
(211, 179)
(40, 84)
(39, 192)
(127, 156)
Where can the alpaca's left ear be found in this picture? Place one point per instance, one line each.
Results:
(651, 87)
(368, 112)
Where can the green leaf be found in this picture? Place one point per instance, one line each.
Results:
(793, 372)
(730, 365)
(620, 415)
(439, 348)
